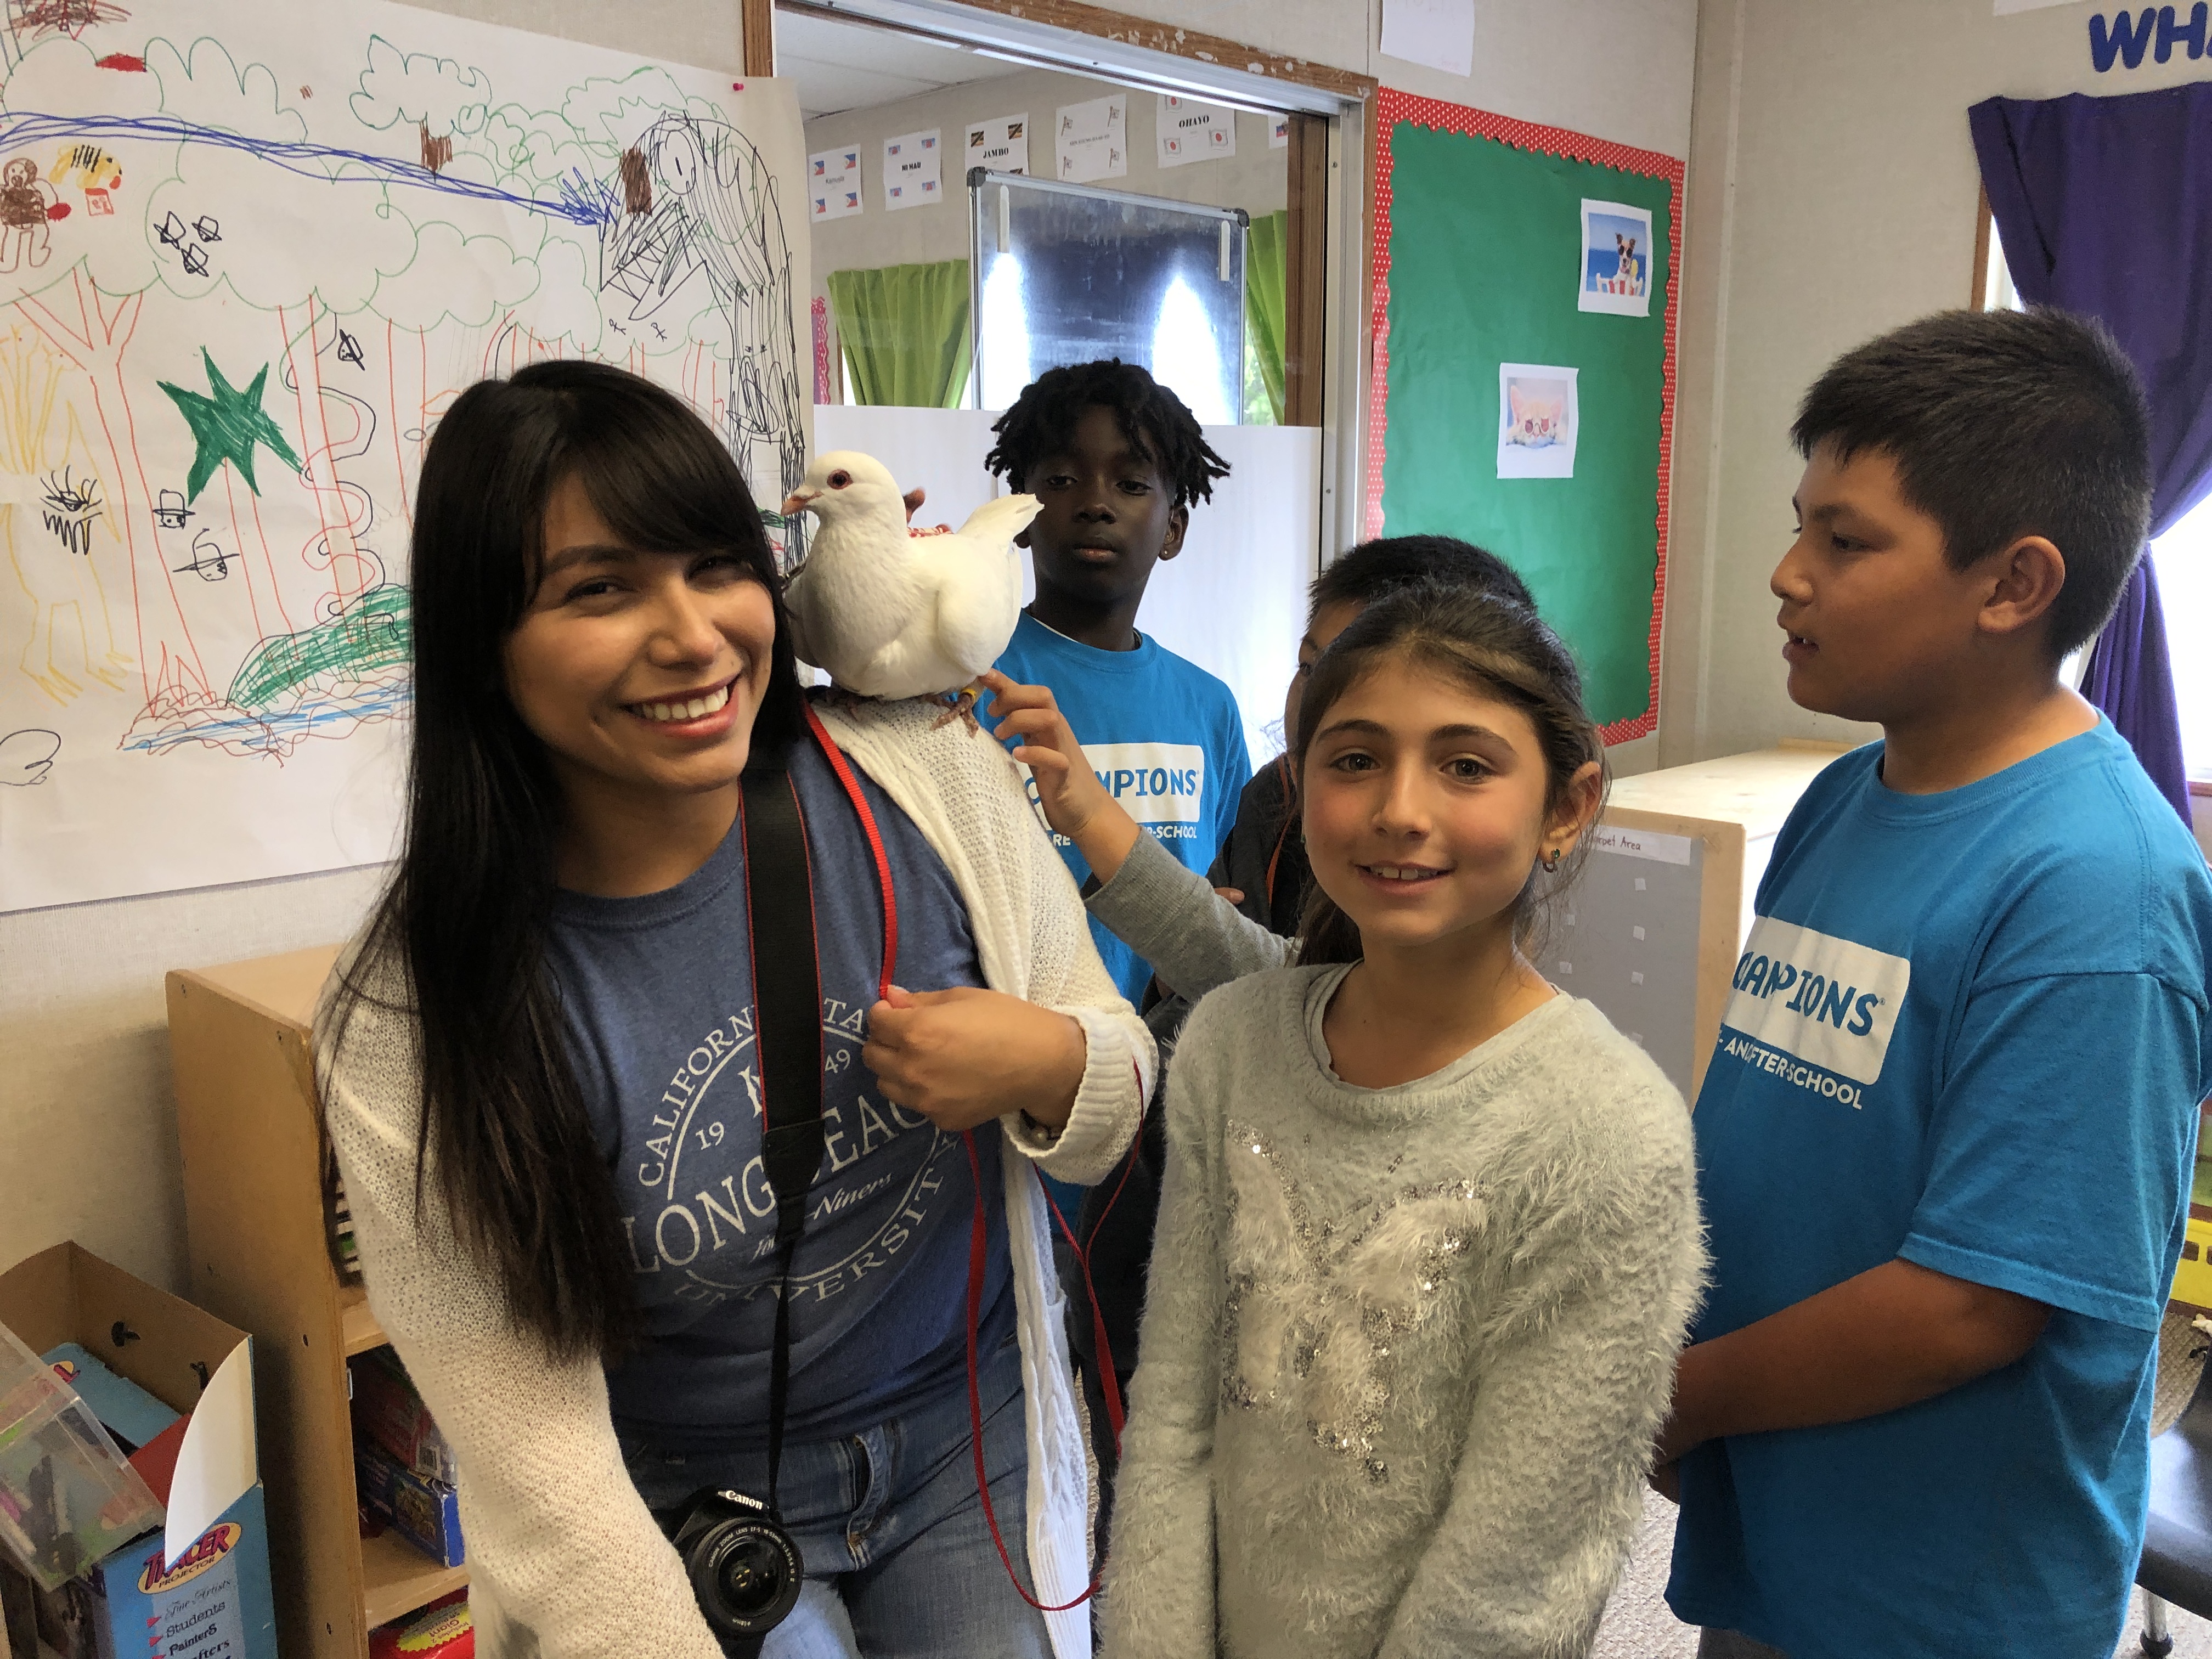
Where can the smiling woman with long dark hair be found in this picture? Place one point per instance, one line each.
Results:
(544, 1083)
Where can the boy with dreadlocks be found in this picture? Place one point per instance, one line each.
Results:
(1118, 460)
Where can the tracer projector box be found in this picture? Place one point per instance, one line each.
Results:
(202, 1596)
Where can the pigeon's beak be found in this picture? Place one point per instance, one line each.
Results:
(799, 501)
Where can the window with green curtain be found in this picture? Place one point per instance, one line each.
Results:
(1267, 317)
(904, 331)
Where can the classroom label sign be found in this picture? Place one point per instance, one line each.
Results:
(1654, 844)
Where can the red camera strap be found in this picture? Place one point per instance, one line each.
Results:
(979, 1240)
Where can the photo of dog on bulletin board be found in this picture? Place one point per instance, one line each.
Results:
(1616, 265)
(1537, 419)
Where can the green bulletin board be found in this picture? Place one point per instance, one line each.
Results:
(1479, 260)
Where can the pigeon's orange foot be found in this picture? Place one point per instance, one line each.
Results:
(961, 708)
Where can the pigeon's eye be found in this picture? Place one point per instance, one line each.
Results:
(839, 480)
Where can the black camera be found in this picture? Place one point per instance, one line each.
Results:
(744, 1568)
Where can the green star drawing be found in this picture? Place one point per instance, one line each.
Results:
(226, 427)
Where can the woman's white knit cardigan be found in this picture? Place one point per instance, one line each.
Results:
(564, 1558)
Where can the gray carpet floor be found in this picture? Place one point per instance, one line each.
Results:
(1637, 1625)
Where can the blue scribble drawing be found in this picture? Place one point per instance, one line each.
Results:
(23, 129)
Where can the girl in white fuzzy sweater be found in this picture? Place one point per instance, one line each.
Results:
(1428, 1236)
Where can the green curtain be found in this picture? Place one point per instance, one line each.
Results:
(904, 330)
(1267, 314)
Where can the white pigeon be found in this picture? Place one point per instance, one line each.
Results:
(891, 612)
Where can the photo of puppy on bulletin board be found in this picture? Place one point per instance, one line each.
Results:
(1616, 263)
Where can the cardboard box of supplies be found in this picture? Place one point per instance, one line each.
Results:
(197, 1588)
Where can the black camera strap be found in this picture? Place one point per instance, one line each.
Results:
(780, 909)
(786, 1002)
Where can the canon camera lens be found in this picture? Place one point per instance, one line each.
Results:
(746, 1570)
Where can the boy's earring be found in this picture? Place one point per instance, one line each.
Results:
(1550, 861)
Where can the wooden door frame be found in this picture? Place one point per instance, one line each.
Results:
(1078, 18)
(757, 19)
(1305, 288)
(1307, 309)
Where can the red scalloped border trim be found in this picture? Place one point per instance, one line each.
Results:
(821, 349)
(1394, 109)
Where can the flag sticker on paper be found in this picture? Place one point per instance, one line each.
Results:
(1188, 130)
(912, 169)
(1092, 140)
(1278, 132)
(833, 184)
(1001, 145)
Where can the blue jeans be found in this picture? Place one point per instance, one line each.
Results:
(899, 1562)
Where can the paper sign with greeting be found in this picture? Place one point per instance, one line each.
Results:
(1190, 131)
(1092, 140)
(833, 183)
(913, 165)
(1001, 144)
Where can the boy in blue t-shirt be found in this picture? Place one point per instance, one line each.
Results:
(1946, 1137)
(1118, 460)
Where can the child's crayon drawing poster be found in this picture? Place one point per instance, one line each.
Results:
(1470, 296)
(249, 254)
(1616, 264)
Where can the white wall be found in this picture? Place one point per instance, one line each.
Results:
(1834, 197)
(1618, 69)
(88, 1139)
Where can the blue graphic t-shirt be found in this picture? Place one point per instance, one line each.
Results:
(1164, 738)
(659, 992)
(1969, 1029)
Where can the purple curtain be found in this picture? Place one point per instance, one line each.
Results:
(2102, 208)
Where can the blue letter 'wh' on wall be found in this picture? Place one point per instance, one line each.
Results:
(2125, 38)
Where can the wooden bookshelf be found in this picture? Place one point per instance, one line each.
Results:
(251, 1133)
(397, 1578)
(358, 1330)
